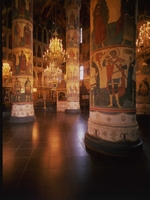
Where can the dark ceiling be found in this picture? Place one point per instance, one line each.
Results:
(52, 14)
(50, 11)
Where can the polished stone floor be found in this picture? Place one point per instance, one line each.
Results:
(47, 160)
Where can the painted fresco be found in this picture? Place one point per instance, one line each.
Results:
(85, 57)
(86, 68)
(72, 74)
(22, 62)
(115, 20)
(72, 38)
(143, 84)
(72, 83)
(85, 53)
(112, 78)
(22, 34)
(22, 89)
(85, 45)
(72, 48)
(73, 56)
(22, 9)
(73, 92)
(72, 20)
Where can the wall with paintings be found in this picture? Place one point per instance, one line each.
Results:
(143, 89)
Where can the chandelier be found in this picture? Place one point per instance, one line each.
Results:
(55, 54)
(53, 73)
(143, 41)
(6, 70)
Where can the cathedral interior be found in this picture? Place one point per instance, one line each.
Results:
(52, 155)
(48, 16)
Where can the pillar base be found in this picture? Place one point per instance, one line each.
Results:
(115, 149)
(22, 119)
(72, 111)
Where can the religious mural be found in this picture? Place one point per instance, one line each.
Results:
(22, 89)
(73, 56)
(72, 20)
(22, 34)
(116, 19)
(86, 68)
(72, 48)
(72, 38)
(85, 53)
(72, 74)
(22, 55)
(73, 93)
(143, 85)
(22, 9)
(85, 57)
(22, 62)
(72, 84)
(113, 77)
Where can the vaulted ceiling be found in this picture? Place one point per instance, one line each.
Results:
(52, 13)
(49, 11)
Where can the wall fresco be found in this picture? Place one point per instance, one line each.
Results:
(72, 48)
(112, 77)
(116, 19)
(22, 62)
(22, 34)
(85, 57)
(22, 9)
(72, 20)
(112, 71)
(72, 38)
(22, 89)
(143, 89)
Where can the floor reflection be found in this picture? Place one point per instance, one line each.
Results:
(47, 160)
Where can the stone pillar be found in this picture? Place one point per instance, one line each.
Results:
(72, 49)
(112, 125)
(22, 53)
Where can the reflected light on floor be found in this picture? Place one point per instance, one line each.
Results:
(55, 140)
(8, 154)
(35, 132)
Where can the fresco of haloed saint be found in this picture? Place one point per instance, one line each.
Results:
(112, 78)
(73, 92)
(22, 34)
(69, 74)
(143, 82)
(22, 62)
(72, 20)
(73, 56)
(73, 84)
(22, 9)
(72, 38)
(116, 19)
(22, 89)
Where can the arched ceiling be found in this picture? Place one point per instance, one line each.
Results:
(49, 11)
